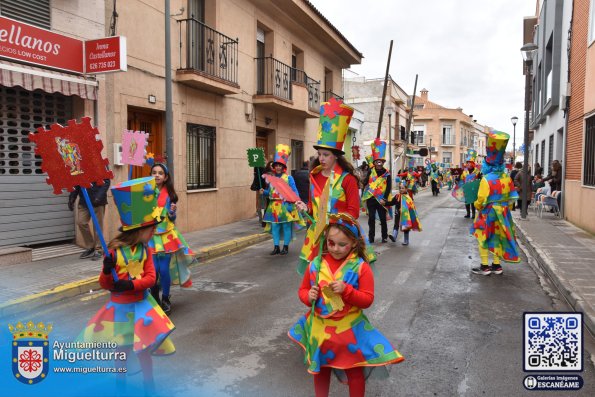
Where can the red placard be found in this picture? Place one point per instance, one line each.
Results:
(31, 44)
(105, 55)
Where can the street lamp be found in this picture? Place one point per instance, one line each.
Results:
(389, 111)
(514, 120)
(528, 51)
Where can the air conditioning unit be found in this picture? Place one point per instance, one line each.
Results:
(118, 154)
(564, 102)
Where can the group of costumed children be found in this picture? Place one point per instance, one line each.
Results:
(149, 248)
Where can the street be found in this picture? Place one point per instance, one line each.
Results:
(460, 334)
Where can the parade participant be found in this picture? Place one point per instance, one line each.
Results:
(435, 176)
(377, 191)
(131, 317)
(406, 218)
(470, 175)
(330, 167)
(336, 334)
(279, 213)
(494, 228)
(171, 253)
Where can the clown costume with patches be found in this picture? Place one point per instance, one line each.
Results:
(406, 218)
(131, 318)
(335, 334)
(171, 254)
(494, 227)
(280, 214)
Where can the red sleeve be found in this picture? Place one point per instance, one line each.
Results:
(363, 297)
(106, 281)
(352, 194)
(304, 289)
(148, 277)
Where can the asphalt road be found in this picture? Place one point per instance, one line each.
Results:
(460, 334)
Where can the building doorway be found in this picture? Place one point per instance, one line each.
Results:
(152, 124)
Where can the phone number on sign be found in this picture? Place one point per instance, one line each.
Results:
(102, 65)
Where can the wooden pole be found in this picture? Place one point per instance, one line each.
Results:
(390, 50)
(408, 128)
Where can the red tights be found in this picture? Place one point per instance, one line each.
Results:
(355, 378)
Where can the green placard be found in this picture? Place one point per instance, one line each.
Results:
(256, 157)
(471, 189)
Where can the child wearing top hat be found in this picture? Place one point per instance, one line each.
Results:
(131, 318)
(377, 192)
(280, 214)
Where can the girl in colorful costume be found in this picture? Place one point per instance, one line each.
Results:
(330, 167)
(171, 253)
(131, 318)
(280, 214)
(336, 334)
(406, 218)
(494, 228)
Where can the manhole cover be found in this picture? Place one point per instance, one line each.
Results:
(219, 286)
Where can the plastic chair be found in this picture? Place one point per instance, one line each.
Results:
(537, 199)
(551, 201)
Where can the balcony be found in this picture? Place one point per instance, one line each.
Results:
(329, 94)
(283, 88)
(448, 141)
(208, 59)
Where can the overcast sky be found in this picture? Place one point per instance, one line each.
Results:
(466, 52)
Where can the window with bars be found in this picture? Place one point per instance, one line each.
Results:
(551, 152)
(200, 157)
(589, 157)
(543, 155)
(34, 12)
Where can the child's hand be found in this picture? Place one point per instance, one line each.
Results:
(173, 207)
(337, 286)
(313, 293)
(301, 206)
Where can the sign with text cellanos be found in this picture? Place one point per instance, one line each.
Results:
(38, 46)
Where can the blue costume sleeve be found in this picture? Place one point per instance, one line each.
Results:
(292, 184)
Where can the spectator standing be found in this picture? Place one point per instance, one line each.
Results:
(555, 176)
(517, 167)
(98, 198)
(302, 180)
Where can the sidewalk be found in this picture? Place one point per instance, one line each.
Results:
(567, 255)
(26, 286)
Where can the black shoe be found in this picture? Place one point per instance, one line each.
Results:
(467, 216)
(87, 253)
(497, 269)
(392, 238)
(384, 240)
(275, 251)
(166, 304)
(483, 270)
(284, 250)
(264, 224)
(155, 294)
(371, 240)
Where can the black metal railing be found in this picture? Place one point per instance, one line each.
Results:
(208, 51)
(273, 77)
(329, 94)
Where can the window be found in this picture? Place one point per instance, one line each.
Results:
(403, 133)
(543, 155)
(537, 154)
(35, 12)
(297, 154)
(446, 157)
(592, 24)
(548, 71)
(419, 131)
(447, 135)
(551, 151)
(200, 157)
(589, 157)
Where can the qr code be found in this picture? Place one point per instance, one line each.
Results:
(553, 342)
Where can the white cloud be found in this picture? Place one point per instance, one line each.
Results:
(466, 52)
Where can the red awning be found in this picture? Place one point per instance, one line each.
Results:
(32, 78)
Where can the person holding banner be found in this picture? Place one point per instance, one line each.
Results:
(131, 317)
(470, 183)
(280, 214)
(330, 167)
(378, 191)
(171, 253)
(406, 218)
(493, 228)
(335, 334)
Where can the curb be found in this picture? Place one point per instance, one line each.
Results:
(561, 284)
(75, 288)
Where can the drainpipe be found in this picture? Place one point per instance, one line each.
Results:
(169, 127)
(566, 116)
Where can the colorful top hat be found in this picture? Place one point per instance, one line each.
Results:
(334, 121)
(378, 149)
(282, 153)
(496, 147)
(471, 155)
(136, 201)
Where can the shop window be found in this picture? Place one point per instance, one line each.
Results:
(200, 157)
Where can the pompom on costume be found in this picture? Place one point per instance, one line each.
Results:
(494, 227)
(133, 318)
(281, 214)
(336, 333)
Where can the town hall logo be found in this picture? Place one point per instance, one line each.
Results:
(30, 351)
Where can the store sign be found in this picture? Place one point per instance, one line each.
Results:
(30, 44)
(105, 55)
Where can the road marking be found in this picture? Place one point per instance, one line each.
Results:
(380, 310)
(425, 243)
(402, 277)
